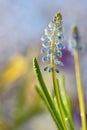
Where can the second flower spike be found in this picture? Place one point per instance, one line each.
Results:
(75, 41)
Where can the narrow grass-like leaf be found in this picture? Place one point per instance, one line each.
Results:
(46, 93)
(41, 94)
(64, 96)
(59, 103)
(65, 102)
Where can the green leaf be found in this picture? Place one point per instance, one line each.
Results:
(65, 102)
(46, 96)
(41, 94)
(59, 104)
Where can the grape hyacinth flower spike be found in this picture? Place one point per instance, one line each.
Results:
(52, 46)
(52, 43)
(75, 41)
(75, 47)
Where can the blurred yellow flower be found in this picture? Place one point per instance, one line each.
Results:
(16, 68)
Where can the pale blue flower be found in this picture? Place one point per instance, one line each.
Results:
(75, 41)
(54, 27)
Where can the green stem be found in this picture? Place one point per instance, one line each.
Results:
(80, 91)
(55, 84)
(65, 102)
(50, 108)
